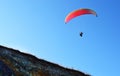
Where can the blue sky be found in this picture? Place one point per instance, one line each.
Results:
(37, 27)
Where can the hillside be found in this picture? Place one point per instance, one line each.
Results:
(15, 63)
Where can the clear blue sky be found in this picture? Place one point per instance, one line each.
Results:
(37, 27)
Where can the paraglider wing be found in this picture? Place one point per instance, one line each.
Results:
(79, 12)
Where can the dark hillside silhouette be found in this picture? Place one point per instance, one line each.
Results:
(15, 63)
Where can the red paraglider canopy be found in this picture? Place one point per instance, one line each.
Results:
(79, 12)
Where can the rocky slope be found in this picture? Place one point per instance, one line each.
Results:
(15, 63)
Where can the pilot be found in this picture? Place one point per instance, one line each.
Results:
(81, 34)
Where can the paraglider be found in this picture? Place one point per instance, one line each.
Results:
(81, 34)
(79, 12)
